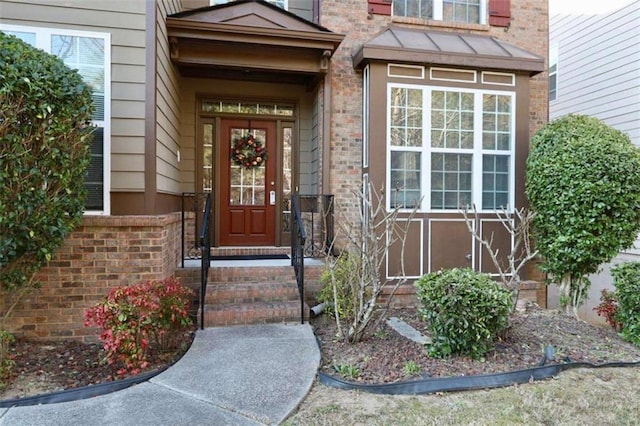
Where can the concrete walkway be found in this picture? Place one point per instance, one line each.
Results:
(244, 375)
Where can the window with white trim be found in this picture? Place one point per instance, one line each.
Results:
(89, 53)
(450, 148)
(284, 4)
(553, 72)
(470, 11)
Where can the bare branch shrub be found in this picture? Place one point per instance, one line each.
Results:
(355, 274)
(518, 226)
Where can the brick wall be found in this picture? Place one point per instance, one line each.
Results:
(102, 253)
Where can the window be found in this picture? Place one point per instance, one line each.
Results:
(470, 11)
(450, 148)
(284, 4)
(553, 72)
(89, 53)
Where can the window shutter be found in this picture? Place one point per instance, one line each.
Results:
(380, 7)
(499, 13)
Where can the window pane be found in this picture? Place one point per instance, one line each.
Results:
(456, 173)
(405, 179)
(495, 181)
(29, 38)
(496, 122)
(461, 10)
(405, 109)
(449, 118)
(413, 8)
(94, 179)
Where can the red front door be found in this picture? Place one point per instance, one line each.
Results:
(247, 188)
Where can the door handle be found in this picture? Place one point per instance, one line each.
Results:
(468, 256)
(272, 198)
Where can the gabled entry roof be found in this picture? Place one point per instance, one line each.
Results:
(250, 40)
(399, 44)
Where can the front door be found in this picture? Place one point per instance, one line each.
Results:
(248, 182)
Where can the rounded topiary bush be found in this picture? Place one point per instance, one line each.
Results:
(44, 140)
(464, 310)
(583, 183)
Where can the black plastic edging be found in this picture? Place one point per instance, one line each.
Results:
(81, 393)
(462, 383)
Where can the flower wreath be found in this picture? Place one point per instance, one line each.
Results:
(248, 152)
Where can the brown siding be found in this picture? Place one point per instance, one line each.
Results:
(528, 30)
(125, 21)
(167, 107)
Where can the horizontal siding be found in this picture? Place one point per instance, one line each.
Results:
(167, 106)
(125, 21)
(599, 67)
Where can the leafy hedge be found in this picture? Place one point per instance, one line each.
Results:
(583, 183)
(464, 309)
(44, 137)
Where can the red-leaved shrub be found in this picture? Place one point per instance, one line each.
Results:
(134, 317)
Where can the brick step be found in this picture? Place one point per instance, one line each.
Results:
(252, 313)
(241, 292)
(248, 251)
(249, 273)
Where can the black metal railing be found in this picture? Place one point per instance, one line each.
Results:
(194, 203)
(316, 214)
(205, 256)
(298, 242)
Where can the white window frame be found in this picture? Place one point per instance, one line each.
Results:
(438, 12)
(43, 42)
(553, 61)
(426, 150)
(365, 115)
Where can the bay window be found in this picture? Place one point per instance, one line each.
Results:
(450, 148)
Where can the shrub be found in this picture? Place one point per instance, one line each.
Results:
(134, 317)
(626, 278)
(465, 310)
(346, 273)
(608, 308)
(44, 139)
(6, 361)
(583, 183)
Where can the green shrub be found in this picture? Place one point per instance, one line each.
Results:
(583, 183)
(346, 279)
(465, 311)
(6, 361)
(626, 278)
(133, 318)
(44, 141)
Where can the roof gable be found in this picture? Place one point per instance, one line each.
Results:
(250, 13)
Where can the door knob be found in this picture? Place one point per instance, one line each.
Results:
(468, 256)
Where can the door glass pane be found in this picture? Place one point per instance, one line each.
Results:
(207, 158)
(287, 162)
(247, 183)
